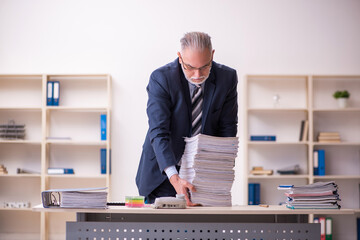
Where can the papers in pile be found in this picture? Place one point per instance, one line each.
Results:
(321, 195)
(208, 164)
(75, 198)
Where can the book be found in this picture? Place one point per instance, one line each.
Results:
(103, 126)
(60, 171)
(262, 138)
(329, 137)
(260, 171)
(306, 131)
(301, 130)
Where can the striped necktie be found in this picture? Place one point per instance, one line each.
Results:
(196, 104)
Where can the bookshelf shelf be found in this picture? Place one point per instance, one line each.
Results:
(83, 99)
(22, 175)
(275, 177)
(77, 176)
(20, 142)
(275, 143)
(277, 109)
(276, 105)
(78, 109)
(349, 177)
(17, 209)
(337, 144)
(76, 143)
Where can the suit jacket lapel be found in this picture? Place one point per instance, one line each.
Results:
(208, 95)
(186, 92)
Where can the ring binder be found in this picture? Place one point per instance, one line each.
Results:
(75, 198)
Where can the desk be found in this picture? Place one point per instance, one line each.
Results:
(200, 223)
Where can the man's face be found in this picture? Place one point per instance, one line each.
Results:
(196, 64)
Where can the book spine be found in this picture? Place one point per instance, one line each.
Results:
(328, 228)
(322, 228)
(49, 94)
(306, 131)
(56, 93)
(103, 160)
(257, 194)
(251, 194)
(103, 126)
(316, 163)
(263, 138)
(321, 156)
(358, 228)
(301, 130)
(60, 171)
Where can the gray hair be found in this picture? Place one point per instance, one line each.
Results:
(196, 40)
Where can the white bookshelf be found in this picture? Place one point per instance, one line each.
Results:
(275, 105)
(76, 124)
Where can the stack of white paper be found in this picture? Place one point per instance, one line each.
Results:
(84, 198)
(208, 164)
(323, 195)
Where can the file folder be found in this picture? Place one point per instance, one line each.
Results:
(316, 163)
(53, 198)
(103, 126)
(322, 228)
(56, 93)
(49, 96)
(328, 228)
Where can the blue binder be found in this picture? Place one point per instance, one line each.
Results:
(103, 126)
(316, 162)
(321, 157)
(103, 161)
(49, 94)
(263, 138)
(254, 194)
(56, 93)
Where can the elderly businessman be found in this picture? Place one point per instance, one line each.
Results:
(188, 96)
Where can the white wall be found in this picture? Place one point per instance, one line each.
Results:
(129, 39)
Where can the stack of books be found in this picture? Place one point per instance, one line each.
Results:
(208, 163)
(3, 170)
(319, 195)
(329, 137)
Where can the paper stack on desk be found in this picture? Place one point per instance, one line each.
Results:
(75, 198)
(208, 164)
(319, 195)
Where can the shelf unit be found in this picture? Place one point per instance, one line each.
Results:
(276, 105)
(83, 98)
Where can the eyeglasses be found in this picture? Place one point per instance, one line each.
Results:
(190, 68)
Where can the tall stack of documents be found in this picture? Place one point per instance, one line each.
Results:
(208, 164)
(75, 198)
(319, 195)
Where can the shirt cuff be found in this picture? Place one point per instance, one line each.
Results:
(170, 171)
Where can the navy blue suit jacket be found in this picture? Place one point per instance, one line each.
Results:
(169, 114)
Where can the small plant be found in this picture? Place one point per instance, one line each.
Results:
(341, 94)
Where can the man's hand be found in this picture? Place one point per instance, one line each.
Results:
(183, 187)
